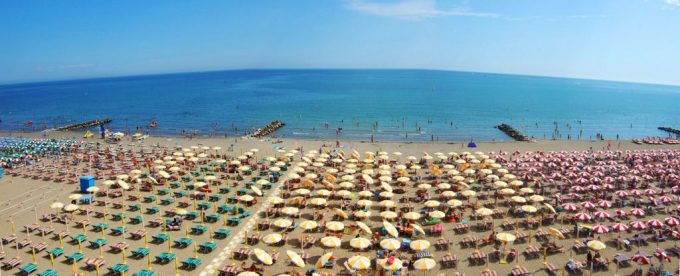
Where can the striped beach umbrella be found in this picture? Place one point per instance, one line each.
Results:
(424, 264)
(596, 245)
(359, 243)
(390, 244)
(308, 224)
(385, 264)
(655, 223)
(272, 238)
(359, 262)
(331, 241)
(637, 212)
(600, 229)
(671, 221)
(583, 216)
(639, 225)
(419, 245)
(619, 227)
(263, 256)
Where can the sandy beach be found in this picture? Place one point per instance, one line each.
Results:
(26, 199)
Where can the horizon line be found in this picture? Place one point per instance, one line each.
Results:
(29, 82)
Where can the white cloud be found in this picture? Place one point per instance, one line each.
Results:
(410, 9)
(673, 2)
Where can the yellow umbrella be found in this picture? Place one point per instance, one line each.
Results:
(596, 245)
(419, 245)
(246, 198)
(93, 189)
(390, 244)
(518, 199)
(291, 211)
(57, 205)
(323, 259)
(390, 229)
(506, 237)
(436, 214)
(484, 212)
(335, 226)
(454, 203)
(431, 203)
(359, 262)
(308, 224)
(181, 212)
(396, 265)
(340, 213)
(388, 214)
(272, 238)
(331, 241)
(295, 258)
(276, 200)
(263, 256)
(282, 223)
(537, 198)
(418, 228)
(359, 243)
(75, 196)
(412, 216)
(550, 207)
(529, 209)
(424, 264)
(71, 207)
(468, 193)
(256, 190)
(364, 227)
(507, 191)
(556, 233)
(317, 201)
(248, 273)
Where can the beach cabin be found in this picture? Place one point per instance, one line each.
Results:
(86, 181)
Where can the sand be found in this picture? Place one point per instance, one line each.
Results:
(22, 197)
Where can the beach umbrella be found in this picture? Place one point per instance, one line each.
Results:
(340, 213)
(506, 237)
(359, 243)
(387, 204)
(75, 196)
(600, 229)
(569, 207)
(639, 225)
(601, 215)
(556, 233)
(363, 227)
(323, 259)
(671, 221)
(359, 262)
(637, 212)
(263, 256)
(436, 214)
(454, 203)
(432, 203)
(587, 205)
(282, 223)
(412, 216)
(71, 207)
(468, 193)
(484, 212)
(365, 203)
(419, 245)
(256, 190)
(518, 199)
(583, 217)
(335, 226)
(290, 211)
(604, 204)
(295, 258)
(246, 198)
(641, 258)
(529, 208)
(396, 264)
(272, 238)
(550, 207)
(388, 214)
(390, 229)
(655, 223)
(619, 227)
(386, 194)
(418, 228)
(361, 214)
(308, 224)
(424, 264)
(57, 205)
(449, 194)
(596, 245)
(536, 198)
(390, 244)
(331, 241)
(276, 200)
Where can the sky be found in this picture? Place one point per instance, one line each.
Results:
(625, 40)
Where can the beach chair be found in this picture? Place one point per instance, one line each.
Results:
(140, 252)
(160, 238)
(152, 210)
(12, 263)
(212, 218)
(165, 257)
(98, 243)
(198, 229)
(207, 247)
(48, 272)
(28, 268)
(40, 247)
(145, 272)
(78, 238)
(224, 208)
(222, 233)
(136, 219)
(117, 231)
(75, 257)
(234, 221)
(134, 207)
(551, 268)
(183, 242)
(94, 263)
(191, 263)
(118, 269)
(100, 227)
(149, 199)
(56, 252)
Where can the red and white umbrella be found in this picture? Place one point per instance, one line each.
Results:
(604, 204)
(665, 199)
(641, 258)
(671, 221)
(621, 193)
(601, 215)
(650, 192)
(655, 223)
(583, 216)
(587, 205)
(639, 225)
(571, 207)
(662, 255)
(578, 188)
(637, 212)
(620, 227)
(635, 192)
(600, 229)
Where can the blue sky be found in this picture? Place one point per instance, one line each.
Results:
(628, 40)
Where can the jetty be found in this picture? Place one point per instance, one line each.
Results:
(670, 130)
(269, 129)
(512, 132)
(85, 124)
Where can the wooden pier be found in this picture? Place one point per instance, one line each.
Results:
(670, 130)
(84, 124)
(513, 133)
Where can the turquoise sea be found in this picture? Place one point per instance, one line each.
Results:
(395, 105)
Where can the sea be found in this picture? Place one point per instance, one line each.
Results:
(384, 105)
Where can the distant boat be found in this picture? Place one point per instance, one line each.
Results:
(153, 124)
(28, 123)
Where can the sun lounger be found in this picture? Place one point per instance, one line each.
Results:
(56, 252)
(28, 268)
(75, 257)
(145, 272)
(25, 242)
(165, 257)
(141, 252)
(93, 263)
(207, 247)
(48, 272)
(40, 247)
(12, 263)
(9, 239)
(118, 247)
(191, 263)
(118, 269)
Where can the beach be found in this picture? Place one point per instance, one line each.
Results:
(26, 199)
